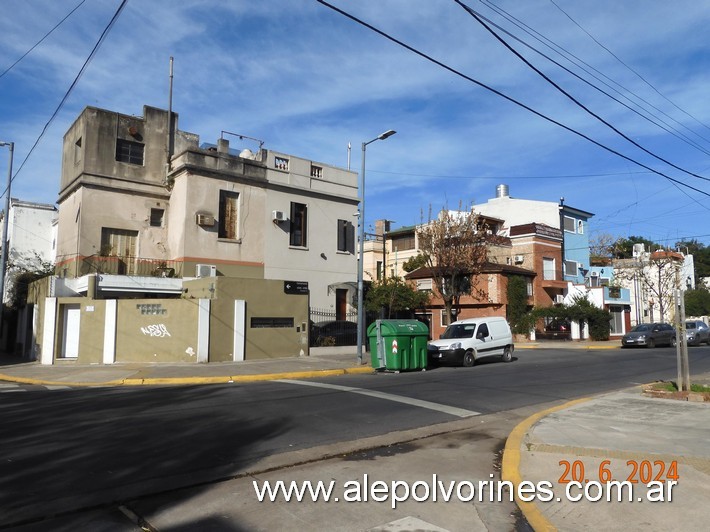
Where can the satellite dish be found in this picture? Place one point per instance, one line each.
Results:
(246, 154)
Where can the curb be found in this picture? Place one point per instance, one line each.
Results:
(220, 379)
(510, 469)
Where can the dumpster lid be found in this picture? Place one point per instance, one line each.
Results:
(399, 328)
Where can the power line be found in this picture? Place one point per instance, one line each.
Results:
(579, 62)
(71, 87)
(628, 67)
(571, 176)
(42, 39)
(574, 100)
(508, 98)
(661, 123)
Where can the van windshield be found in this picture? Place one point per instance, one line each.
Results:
(461, 330)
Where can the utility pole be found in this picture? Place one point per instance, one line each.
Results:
(681, 339)
(6, 221)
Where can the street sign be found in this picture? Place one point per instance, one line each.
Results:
(296, 287)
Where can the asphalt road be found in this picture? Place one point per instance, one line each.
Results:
(70, 449)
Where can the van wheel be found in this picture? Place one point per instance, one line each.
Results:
(468, 359)
(507, 354)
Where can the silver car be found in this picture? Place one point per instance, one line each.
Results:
(697, 332)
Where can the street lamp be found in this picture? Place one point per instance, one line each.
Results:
(361, 236)
(3, 257)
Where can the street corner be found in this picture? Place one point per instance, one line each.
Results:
(511, 465)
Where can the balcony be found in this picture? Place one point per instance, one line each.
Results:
(134, 266)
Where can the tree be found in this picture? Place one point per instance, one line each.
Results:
(414, 263)
(623, 248)
(394, 296)
(701, 257)
(518, 305)
(456, 248)
(697, 302)
(657, 277)
(601, 248)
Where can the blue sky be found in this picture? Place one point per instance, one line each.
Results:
(308, 81)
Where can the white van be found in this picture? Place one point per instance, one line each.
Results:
(466, 341)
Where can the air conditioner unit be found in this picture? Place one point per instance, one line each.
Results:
(278, 216)
(519, 259)
(593, 274)
(206, 270)
(204, 219)
(559, 298)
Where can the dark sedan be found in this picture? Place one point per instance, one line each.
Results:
(650, 335)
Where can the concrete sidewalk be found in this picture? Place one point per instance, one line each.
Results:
(323, 362)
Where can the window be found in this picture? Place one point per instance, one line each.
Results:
(128, 151)
(156, 217)
(403, 243)
(444, 318)
(346, 236)
(77, 151)
(548, 269)
(570, 225)
(299, 225)
(281, 163)
(571, 268)
(316, 171)
(580, 227)
(118, 242)
(228, 214)
(424, 284)
(379, 270)
(529, 286)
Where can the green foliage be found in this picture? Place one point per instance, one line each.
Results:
(580, 310)
(623, 247)
(415, 262)
(697, 302)
(518, 305)
(394, 295)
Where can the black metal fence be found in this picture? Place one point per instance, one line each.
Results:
(327, 330)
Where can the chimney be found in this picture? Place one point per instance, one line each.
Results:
(382, 227)
(502, 191)
(222, 146)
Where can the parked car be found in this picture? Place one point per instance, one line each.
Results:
(557, 329)
(697, 332)
(465, 341)
(334, 333)
(650, 335)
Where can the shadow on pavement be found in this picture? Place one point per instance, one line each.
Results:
(120, 446)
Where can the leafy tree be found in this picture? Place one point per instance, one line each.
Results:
(623, 248)
(456, 249)
(697, 302)
(415, 262)
(394, 296)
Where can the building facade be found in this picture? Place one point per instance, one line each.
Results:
(139, 197)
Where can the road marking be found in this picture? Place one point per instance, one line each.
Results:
(451, 410)
(10, 387)
(57, 387)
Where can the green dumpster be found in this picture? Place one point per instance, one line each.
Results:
(398, 345)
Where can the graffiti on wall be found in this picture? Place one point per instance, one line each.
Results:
(158, 330)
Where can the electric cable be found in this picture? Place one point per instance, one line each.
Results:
(42, 39)
(508, 98)
(574, 100)
(71, 88)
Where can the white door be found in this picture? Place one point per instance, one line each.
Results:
(70, 332)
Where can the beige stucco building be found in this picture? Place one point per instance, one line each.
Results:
(145, 209)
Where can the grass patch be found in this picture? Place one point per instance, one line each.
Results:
(669, 386)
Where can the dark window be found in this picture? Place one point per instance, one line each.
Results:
(228, 214)
(128, 151)
(299, 224)
(272, 323)
(403, 243)
(346, 236)
(156, 217)
(483, 331)
(570, 224)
